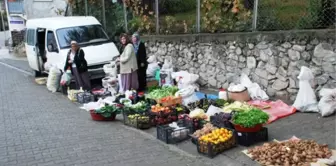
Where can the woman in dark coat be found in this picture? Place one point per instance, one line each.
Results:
(76, 62)
(140, 51)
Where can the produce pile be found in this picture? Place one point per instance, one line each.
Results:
(217, 136)
(160, 109)
(163, 92)
(221, 119)
(216, 142)
(162, 115)
(237, 106)
(290, 153)
(250, 118)
(138, 121)
(108, 110)
(208, 128)
(139, 107)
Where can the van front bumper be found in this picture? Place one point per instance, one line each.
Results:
(96, 71)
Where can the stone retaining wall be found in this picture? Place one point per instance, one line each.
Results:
(272, 59)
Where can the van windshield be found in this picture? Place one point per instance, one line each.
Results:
(84, 35)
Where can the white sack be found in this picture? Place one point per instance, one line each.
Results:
(152, 59)
(110, 69)
(188, 95)
(306, 100)
(212, 110)
(255, 92)
(54, 79)
(151, 69)
(327, 104)
(184, 79)
(168, 63)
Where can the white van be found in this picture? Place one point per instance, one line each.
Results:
(48, 40)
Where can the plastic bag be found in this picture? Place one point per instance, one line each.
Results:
(66, 78)
(54, 78)
(168, 63)
(185, 79)
(327, 104)
(212, 110)
(165, 77)
(121, 89)
(93, 105)
(188, 95)
(255, 92)
(197, 113)
(306, 100)
(110, 69)
(72, 94)
(151, 69)
(152, 59)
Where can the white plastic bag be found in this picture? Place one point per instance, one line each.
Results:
(184, 79)
(152, 59)
(66, 78)
(110, 69)
(93, 105)
(188, 95)
(165, 77)
(212, 110)
(306, 100)
(151, 69)
(121, 89)
(54, 78)
(327, 104)
(168, 63)
(255, 92)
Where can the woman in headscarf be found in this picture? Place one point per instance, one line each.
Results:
(140, 51)
(128, 65)
(76, 62)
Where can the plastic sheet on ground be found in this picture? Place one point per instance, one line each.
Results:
(275, 109)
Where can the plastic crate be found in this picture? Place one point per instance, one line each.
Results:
(161, 118)
(172, 102)
(202, 104)
(250, 138)
(193, 139)
(84, 97)
(170, 135)
(193, 124)
(212, 150)
(141, 122)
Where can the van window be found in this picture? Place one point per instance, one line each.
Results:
(82, 34)
(51, 41)
(31, 37)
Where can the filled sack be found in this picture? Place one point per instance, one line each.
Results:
(327, 104)
(306, 99)
(54, 77)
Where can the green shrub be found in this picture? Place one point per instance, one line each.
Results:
(176, 6)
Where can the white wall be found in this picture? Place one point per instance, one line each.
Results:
(40, 9)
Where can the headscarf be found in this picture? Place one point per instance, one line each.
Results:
(136, 45)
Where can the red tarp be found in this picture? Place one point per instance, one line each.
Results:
(275, 109)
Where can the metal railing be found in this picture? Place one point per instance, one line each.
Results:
(209, 16)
